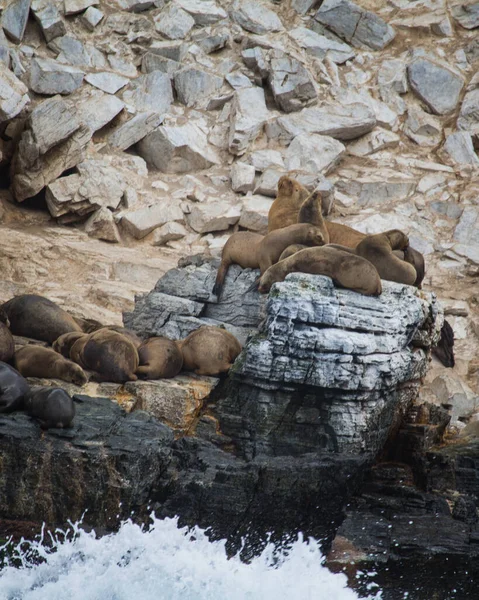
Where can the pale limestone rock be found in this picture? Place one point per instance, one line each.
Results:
(14, 19)
(151, 92)
(434, 84)
(354, 24)
(455, 395)
(70, 51)
(212, 43)
(204, 12)
(341, 121)
(98, 109)
(91, 18)
(107, 82)
(378, 139)
(423, 128)
(50, 77)
(248, 116)
(178, 149)
(174, 23)
(468, 119)
(237, 80)
(467, 230)
(134, 130)
(436, 23)
(242, 177)
(268, 182)
(262, 159)
(174, 50)
(458, 148)
(314, 153)
(154, 62)
(194, 85)
(49, 19)
(73, 7)
(321, 47)
(101, 225)
(292, 85)
(467, 15)
(13, 94)
(392, 74)
(255, 16)
(303, 6)
(254, 214)
(140, 223)
(169, 232)
(27, 182)
(376, 188)
(216, 216)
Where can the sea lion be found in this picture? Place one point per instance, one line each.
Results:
(209, 350)
(37, 317)
(63, 344)
(53, 407)
(160, 358)
(7, 343)
(250, 252)
(444, 350)
(310, 212)
(290, 250)
(13, 388)
(344, 268)
(131, 335)
(111, 355)
(284, 210)
(36, 361)
(76, 349)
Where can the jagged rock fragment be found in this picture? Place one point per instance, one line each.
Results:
(242, 177)
(468, 119)
(169, 232)
(141, 222)
(154, 62)
(314, 153)
(467, 15)
(194, 85)
(91, 18)
(134, 130)
(459, 148)
(50, 77)
(248, 116)
(174, 23)
(254, 213)
(204, 12)
(98, 109)
(376, 140)
(435, 85)
(215, 216)
(321, 46)
(73, 7)
(14, 19)
(174, 50)
(422, 128)
(49, 19)
(107, 82)
(13, 94)
(151, 92)
(291, 83)
(255, 16)
(101, 225)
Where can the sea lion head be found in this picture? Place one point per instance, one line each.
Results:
(269, 277)
(398, 239)
(285, 186)
(315, 236)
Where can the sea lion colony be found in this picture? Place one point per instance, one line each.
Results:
(299, 239)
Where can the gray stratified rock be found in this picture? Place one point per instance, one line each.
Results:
(101, 225)
(204, 12)
(437, 86)
(248, 116)
(14, 19)
(460, 149)
(169, 232)
(174, 23)
(91, 18)
(376, 140)
(242, 177)
(467, 230)
(174, 50)
(13, 94)
(135, 6)
(321, 46)
(422, 128)
(256, 59)
(237, 80)
(291, 83)
(354, 24)
(468, 119)
(50, 77)
(49, 19)
(215, 216)
(193, 85)
(73, 7)
(29, 179)
(303, 6)
(392, 74)
(213, 43)
(107, 82)
(98, 109)
(143, 221)
(154, 62)
(467, 15)
(314, 153)
(178, 149)
(134, 130)
(263, 159)
(70, 51)
(341, 121)
(151, 92)
(255, 16)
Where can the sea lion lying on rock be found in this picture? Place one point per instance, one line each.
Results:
(160, 358)
(345, 269)
(13, 388)
(39, 318)
(131, 335)
(63, 344)
(7, 343)
(53, 407)
(110, 354)
(209, 350)
(253, 251)
(284, 210)
(36, 361)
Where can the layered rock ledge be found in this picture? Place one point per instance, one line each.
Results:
(280, 444)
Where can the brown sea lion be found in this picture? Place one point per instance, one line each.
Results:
(7, 343)
(131, 335)
(444, 350)
(63, 344)
(290, 250)
(76, 349)
(37, 317)
(284, 210)
(241, 248)
(111, 355)
(13, 388)
(160, 358)
(345, 269)
(416, 259)
(53, 407)
(209, 350)
(36, 361)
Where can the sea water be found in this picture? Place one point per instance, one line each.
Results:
(163, 561)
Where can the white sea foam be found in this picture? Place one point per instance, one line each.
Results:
(165, 562)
